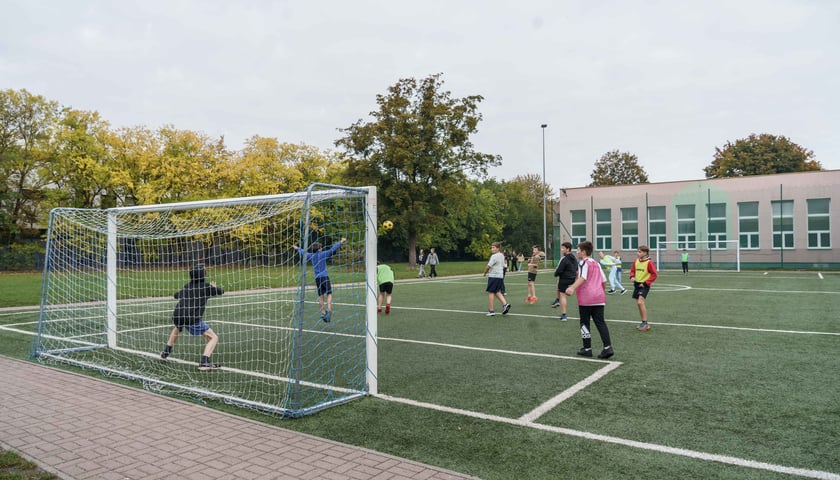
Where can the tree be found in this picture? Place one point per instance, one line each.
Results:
(26, 124)
(617, 168)
(417, 150)
(82, 168)
(762, 154)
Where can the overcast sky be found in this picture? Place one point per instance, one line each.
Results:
(667, 81)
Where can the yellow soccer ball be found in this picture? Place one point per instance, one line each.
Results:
(387, 225)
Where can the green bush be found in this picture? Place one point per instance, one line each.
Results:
(22, 257)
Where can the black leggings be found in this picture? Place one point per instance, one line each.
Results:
(596, 313)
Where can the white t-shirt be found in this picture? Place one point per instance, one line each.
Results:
(497, 265)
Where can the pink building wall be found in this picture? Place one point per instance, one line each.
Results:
(798, 187)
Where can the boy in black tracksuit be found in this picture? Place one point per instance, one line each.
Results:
(566, 273)
(192, 300)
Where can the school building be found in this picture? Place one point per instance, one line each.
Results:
(767, 221)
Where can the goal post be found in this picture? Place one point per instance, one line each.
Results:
(110, 277)
(706, 255)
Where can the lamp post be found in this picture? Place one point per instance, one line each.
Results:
(545, 230)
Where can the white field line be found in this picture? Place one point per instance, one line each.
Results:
(621, 441)
(541, 410)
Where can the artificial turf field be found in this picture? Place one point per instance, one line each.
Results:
(738, 378)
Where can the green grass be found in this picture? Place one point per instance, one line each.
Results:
(15, 467)
(738, 365)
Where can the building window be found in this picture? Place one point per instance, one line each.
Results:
(629, 228)
(782, 212)
(603, 229)
(748, 225)
(656, 227)
(717, 226)
(686, 227)
(578, 226)
(819, 223)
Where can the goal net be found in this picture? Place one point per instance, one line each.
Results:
(702, 255)
(110, 280)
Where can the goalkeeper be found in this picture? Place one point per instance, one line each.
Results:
(319, 258)
(192, 300)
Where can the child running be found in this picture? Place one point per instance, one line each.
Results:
(642, 274)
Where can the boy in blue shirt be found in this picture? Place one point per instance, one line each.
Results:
(319, 258)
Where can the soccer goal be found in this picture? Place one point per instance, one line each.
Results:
(702, 255)
(110, 277)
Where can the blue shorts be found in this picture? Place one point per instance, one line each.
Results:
(324, 285)
(495, 285)
(196, 329)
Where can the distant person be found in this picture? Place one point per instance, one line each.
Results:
(319, 258)
(496, 280)
(421, 261)
(617, 257)
(566, 273)
(592, 300)
(642, 274)
(520, 260)
(385, 279)
(684, 260)
(609, 262)
(432, 260)
(189, 314)
(533, 269)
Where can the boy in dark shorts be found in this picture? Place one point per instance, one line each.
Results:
(385, 279)
(189, 312)
(495, 271)
(566, 273)
(642, 274)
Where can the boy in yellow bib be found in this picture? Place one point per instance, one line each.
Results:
(642, 274)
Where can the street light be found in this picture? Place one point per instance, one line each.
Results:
(545, 231)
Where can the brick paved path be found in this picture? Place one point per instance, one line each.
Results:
(82, 427)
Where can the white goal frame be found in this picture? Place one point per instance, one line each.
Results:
(692, 247)
(91, 331)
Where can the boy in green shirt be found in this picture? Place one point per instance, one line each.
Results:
(385, 279)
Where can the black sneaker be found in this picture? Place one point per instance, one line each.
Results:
(556, 303)
(506, 309)
(624, 291)
(208, 366)
(585, 352)
(610, 292)
(564, 318)
(606, 353)
(164, 355)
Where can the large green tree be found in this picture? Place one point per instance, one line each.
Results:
(26, 125)
(762, 154)
(417, 151)
(618, 168)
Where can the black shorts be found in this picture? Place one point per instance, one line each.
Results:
(324, 285)
(495, 285)
(532, 277)
(387, 287)
(640, 290)
(563, 284)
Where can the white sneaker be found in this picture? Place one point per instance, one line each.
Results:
(491, 313)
